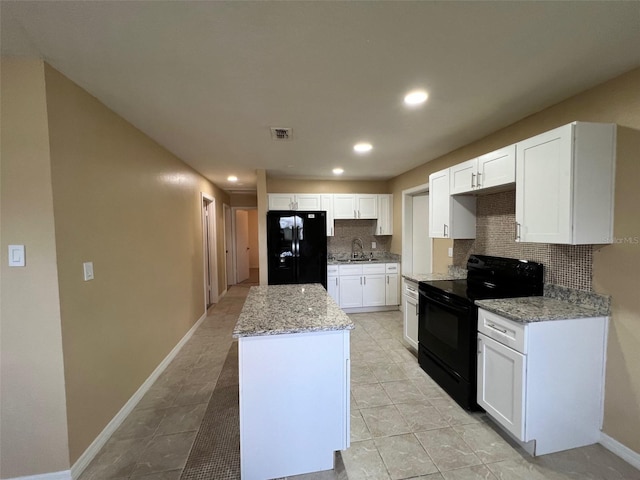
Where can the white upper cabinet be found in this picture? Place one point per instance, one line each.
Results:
(291, 201)
(449, 216)
(385, 215)
(355, 206)
(565, 185)
(367, 206)
(344, 206)
(326, 204)
(281, 201)
(491, 170)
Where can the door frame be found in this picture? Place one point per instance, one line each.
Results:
(234, 258)
(210, 257)
(407, 227)
(229, 267)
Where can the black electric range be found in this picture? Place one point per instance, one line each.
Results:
(447, 328)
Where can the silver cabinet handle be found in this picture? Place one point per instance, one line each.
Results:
(493, 325)
(365, 280)
(336, 281)
(479, 347)
(478, 180)
(473, 177)
(387, 279)
(517, 231)
(445, 228)
(411, 289)
(417, 309)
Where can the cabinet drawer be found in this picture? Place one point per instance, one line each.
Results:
(375, 268)
(410, 289)
(332, 270)
(350, 269)
(505, 331)
(391, 268)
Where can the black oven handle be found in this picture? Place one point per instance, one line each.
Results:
(452, 305)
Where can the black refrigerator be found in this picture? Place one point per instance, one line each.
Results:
(297, 247)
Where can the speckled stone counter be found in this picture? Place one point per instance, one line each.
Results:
(428, 277)
(537, 309)
(282, 309)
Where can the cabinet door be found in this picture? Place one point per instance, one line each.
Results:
(411, 321)
(543, 187)
(344, 206)
(501, 384)
(367, 206)
(326, 204)
(385, 215)
(462, 177)
(281, 201)
(350, 287)
(308, 201)
(374, 290)
(497, 168)
(439, 204)
(391, 290)
(333, 288)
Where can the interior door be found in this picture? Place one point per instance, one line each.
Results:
(242, 245)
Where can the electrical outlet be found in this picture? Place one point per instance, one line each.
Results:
(374, 244)
(450, 252)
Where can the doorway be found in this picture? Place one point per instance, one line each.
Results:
(209, 250)
(416, 243)
(245, 246)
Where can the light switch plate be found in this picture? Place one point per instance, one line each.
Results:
(374, 244)
(16, 256)
(88, 271)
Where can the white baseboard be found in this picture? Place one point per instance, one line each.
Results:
(93, 449)
(620, 450)
(63, 475)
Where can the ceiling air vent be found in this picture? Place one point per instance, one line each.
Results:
(279, 133)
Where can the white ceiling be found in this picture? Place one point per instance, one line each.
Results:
(207, 79)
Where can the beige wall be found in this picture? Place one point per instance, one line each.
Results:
(33, 419)
(134, 210)
(283, 185)
(254, 249)
(243, 200)
(615, 266)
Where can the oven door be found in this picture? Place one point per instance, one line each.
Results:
(446, 327)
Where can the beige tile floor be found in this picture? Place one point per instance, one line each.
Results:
(402, 424)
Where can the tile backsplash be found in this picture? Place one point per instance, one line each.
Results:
(347, 230)
(565, 265)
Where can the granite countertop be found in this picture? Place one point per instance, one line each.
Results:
(282, 309)
(537, 309)
(427, 277)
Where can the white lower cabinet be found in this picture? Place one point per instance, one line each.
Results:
(543, 381)
(333, 283)
(410, 310)
(362, 286)
(304, 389)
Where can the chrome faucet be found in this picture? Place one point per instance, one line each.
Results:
(356, 242)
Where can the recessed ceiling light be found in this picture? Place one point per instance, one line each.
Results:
(232, 178)
(362, 147)
(338, 171)
(415, 98)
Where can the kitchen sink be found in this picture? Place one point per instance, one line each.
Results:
(350, 260)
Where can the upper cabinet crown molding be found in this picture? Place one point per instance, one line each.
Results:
(565, 185)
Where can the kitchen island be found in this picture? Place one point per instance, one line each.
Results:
(294, 378)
